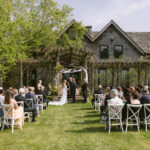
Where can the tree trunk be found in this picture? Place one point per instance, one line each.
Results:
(21, 75)
(1, 79)
(58, 58)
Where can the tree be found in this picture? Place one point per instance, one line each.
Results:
(28, 27)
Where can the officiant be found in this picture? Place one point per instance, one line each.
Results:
(85, 90)
(73, 90)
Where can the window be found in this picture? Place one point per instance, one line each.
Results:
(103, 51)
(118, 51)
(102, 77)
(124, 77)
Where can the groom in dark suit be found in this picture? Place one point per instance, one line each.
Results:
(73, 90)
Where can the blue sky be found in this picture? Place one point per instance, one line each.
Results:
(130, 15)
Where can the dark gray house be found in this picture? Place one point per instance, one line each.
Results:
(119, 57)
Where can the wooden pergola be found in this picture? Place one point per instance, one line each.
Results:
(115, 65)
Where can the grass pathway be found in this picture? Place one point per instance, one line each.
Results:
(71, 127)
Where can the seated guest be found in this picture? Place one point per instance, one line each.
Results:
(1, 102)
(31, 95)
(132, 89)
(15, 92)
(134, 98)
(27, 108)
(120, 93)
(107, 97)
(17, 110)
(97, 91)
(41, 92)
(107, 91)
(144, 100)
(114, 97)
(1, 95)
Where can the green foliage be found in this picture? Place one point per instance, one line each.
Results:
(54, 90)
(57, 68)
(27, 27)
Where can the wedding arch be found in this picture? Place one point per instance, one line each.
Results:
(71, 71)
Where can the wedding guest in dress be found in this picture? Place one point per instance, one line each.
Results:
(39, 85)
(107, 97)
(134, 98)
(18, 111)
(73, 90)
(15, 92)
(1, 102)
(1, 95)
(85, 90)
(120, 93)
(27, 108)
(41, 92)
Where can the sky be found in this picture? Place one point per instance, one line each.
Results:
(130, 15)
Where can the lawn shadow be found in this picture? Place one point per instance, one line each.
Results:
(82, 109)
(89, 116)
(95, 130)
(88, 130)
(87, 122)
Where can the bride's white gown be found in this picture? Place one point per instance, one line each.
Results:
(63, 99)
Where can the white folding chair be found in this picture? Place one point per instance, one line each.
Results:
(21, 104)
(39, 100)
(133, 116)
(30, 101)
(27, 114)
(98, 101)
(146, 115)
(114, 116)
(9, 118)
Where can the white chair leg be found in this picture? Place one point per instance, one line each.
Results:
(126, 126)
(12, 126)
(3, 126)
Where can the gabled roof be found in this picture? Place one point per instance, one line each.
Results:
(142, 39)
(92, 36)
(70, 24)
(121, 32)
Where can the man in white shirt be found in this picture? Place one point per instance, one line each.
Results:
(115, 99)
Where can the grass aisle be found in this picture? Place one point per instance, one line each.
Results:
(71, 127)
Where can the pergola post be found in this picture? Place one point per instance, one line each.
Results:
(118, 75)
(92, 78)
(21, 74)
(139, 75)
(146, 76)
(113, 76)
(28, 75)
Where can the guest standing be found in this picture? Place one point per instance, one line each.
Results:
(85, 90)
(73, 90)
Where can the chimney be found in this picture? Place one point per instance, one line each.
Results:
(89, 28)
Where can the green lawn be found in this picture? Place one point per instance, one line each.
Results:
(71, 127)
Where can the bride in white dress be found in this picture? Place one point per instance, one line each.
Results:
(63, 99)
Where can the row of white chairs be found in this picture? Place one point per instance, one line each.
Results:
(133, 111)
(115, 114)
(9, 119)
